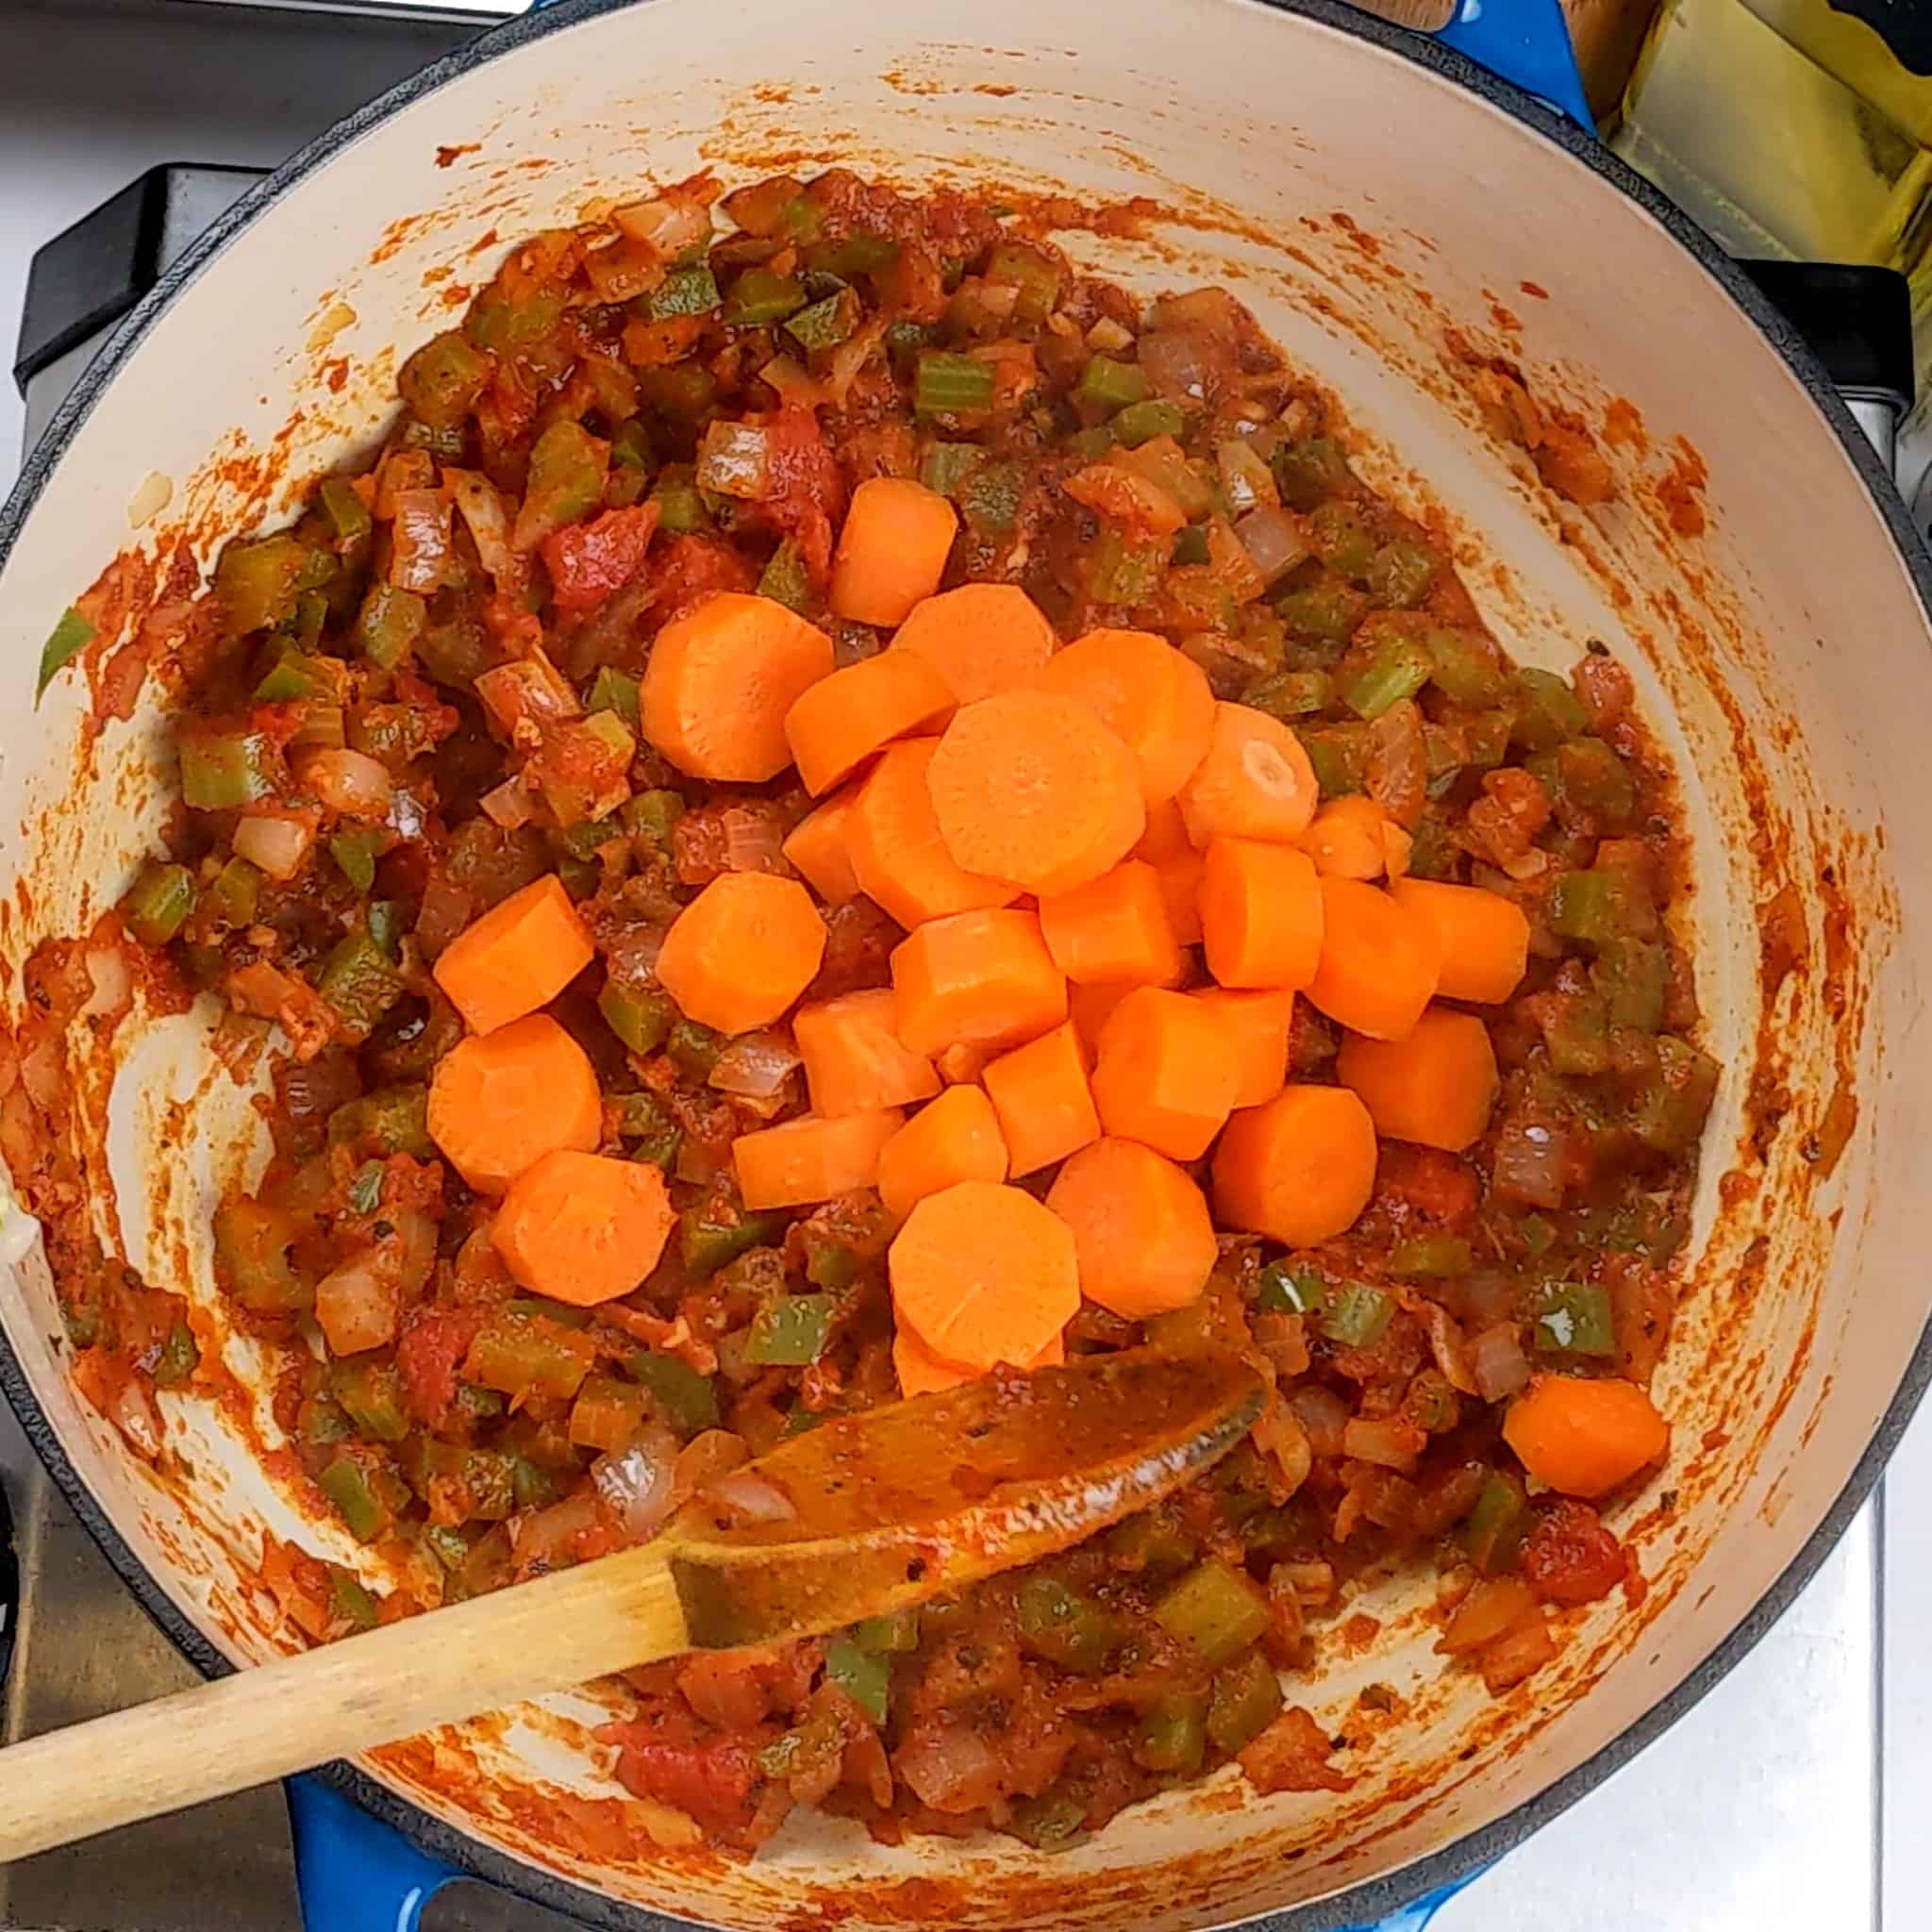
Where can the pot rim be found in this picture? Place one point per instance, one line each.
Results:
(1374, 1899)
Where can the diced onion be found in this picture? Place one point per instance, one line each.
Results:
(261, 990)
(755, 1064)
(350, 782)
(948, 1765)
(420, 558)
(671, 223)
(1497, 1363)
(354, 1308)
(1323, 1415)
(734, 459)
(510, 805)
(1106, 335)
(1391, 1442)
(1273, 539)
(1398, 774)
(745, 1498)
(753, 840)
(488, 522)
(133, 1412)
(1529, 1163)
(708, 1455)
(638, 1485)
(1494, 1606)
(1245, 477)
(1177, 365)
(113, 982)
(276, 844)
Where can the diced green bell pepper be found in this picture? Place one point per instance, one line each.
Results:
(1109, 385)
(864, 1675)
(715, 1232)
(1431, 1258)
(694, 1048)
(895, 1633)
(360, 982)
(860, 252)
(784, 578)
(222, 767)
(350, 1600)
(1143, 421)
(256, 583)
(824, 324)
(371, 1395)
(1244, 1700)
(1308, 471)
(179, 1358)
(945, 466)
(1291, 694)
(617, 691)
(1669, 1114)
(252, 1244)
(1284, 1289)
(1064, 1626)
(653, 813)
(346, 1484)
(1152, 1544)
(1399, 669)
(1359, 1314)
(1326, 611)
(1547, 711)
(1120, 570)
(1342, 540)
(1050, 1822)
(389, 622)
(1607, 903)
(689, 291)
(1173, 1734)
(1492, 1531)
(680, 504)
(1216, 1609)
(348, 516)
(443, 380)
(365, 1190)
(523, 1351)
(158, 903)
(609, 1415)
(1576, 1033)
(655, 1137)
(1013, 265)
(567, 468)
(1574, 1318)
(684, 1399)
(65, 641)
(791, 1331)
(1401, 573)
(989, 498)
(641, 1020)
(1630, 976)
(355, 852)
(1467, 667)
(760, 298)
(299, 674)
(391, 1120)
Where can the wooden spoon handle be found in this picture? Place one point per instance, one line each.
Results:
(342, 1698)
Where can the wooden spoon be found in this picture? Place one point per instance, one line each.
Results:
(863, 1515)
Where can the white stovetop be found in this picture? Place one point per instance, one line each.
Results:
(1793, 1798)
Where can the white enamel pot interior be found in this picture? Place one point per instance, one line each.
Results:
(1365, 203)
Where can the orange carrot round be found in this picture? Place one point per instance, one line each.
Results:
(1347, 838)
(1299, 1168)
(978, 978)
(819, 849)
(742, 951)
(1166, 836)
(839, 722)
(1034, 788)
(1483, 938)
(1258, 1025)
(518, 956)
(984, 1274)
(1260, 914)
(1142, 1234)
(1435, 1086)
(1180, 878)
(583, 1228)
(499, 1102)
(1378, 964)
(952, 1139)
(1585, 1435)
(855, 1061)
(923, 1373)
(1255, 782)
(1114, 930)
(719, 680)
(1090, 1007)
(982, 639)
(1044, 1104)
(1166, 1073)
(1155, 701)
(898, 857)
(891, 550)
(799, 1163)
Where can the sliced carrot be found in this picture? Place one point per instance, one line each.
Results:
(923, 1373)
(1299, 1168)
(583, 1228)
(855, 1061)
(517, 957)
(1090, 1007)
(842, 720)
(1258, 1023)
(1260, 914)
(1114, 930)
(1044, 1102)
(1034, 788)
(799, 1163)
(953, 1139)
(499, 1102)
(742, 951)
(979, 979)
(1435, 1086)
(1166, 1073)
(1585, 1435)
(1348, 838)
(1166, 836)
(898, 857)
(1378, 961)
(719, 680)
(1141, 1233)
(819, 849)
(891, 550)
(1155, 701)
(1180, 892)
(1255, 782)
(1483, 938)
(961, 1064)
(983, 1274)
(982, 639)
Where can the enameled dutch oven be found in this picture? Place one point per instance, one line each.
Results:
(1396, 218)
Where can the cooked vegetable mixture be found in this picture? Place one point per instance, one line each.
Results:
(844, 808)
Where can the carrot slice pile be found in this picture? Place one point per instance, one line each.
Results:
(954, 1137)
(1349, 839)
(742, 951)
(842, 720)
(855, 1061)
(1165, 846)
(1299, 1168)
(517, 957)
(1435, 1086)
(1483, 939)
(1114, 930)
(799, 1163)
(983, 1274)
(891, 550)
(982, 639)
(1141, 1232)
(720, 681)
(1380, 961)
(819, 849)
(923, 1373)
(1044, 1104)
(979, 980)
(1260, 914)
(1166, 1073)
(1585, 1435)
(1155, 701)
(898, 857)
(1255, 782)
(1090, 1007)
(1034, 788)
(1258, 1025)
(500, 1101)
(583, 1228)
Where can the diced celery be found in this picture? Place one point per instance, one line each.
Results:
(1547, 711)
(1216, 1609)
(1153, 416)
(158, 903)
(1399, 669)
(1244, 1700)
(791, 1330)
(945, 466)
(684, 1399)
(391, 1120)
(384, 918)
(1466, 666)
(1327, 611)
(1173, 1734)
(615, 691)
(443, 378)
(223, 768)
(297, 675)
(609, 1415)
(784, 578)
(1109, 385)
(1577, 1032)
(371, 1395)
(1284, 1289)
(1189, 545)
(1669, 1114)
(1400, 574)
(630, 446)
(523, 1351)
(1586, 773)
(690, 291)
(641, 1020)
(1092, 443)
(567, 470)
(1605, 904)
(1431, 1257)
(256, 583)
(179, 1358)
(389, 622)
(1013, 265)
(1050, 1822)
(824, 324)
(346, 1484)
(947, 384)
(252, 1245)
(360, 982)
(1492, 1531)
(1291, 694)
(990, 497)
(864, 1675)
(65, 641)
(1153, 1544)
(860, 252)
(1120, 570)
(1308, 471)
(653, 813)
(348, 515)
(357, 852)
(1574, 1318)
(680, 505)
(760, 298)
(716, 1232)
(1357, 1315)
(350, 1599)
(896, 1632)
(1342, 540)
(365, 1190)
(1339, 756)
(694, 1048)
